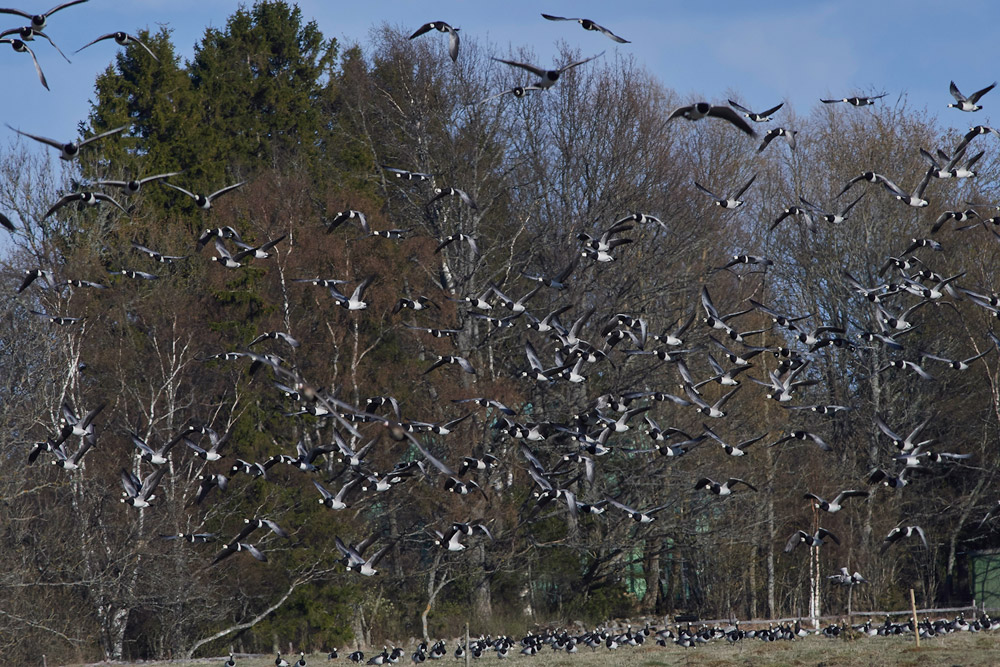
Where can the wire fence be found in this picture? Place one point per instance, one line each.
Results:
(951, 611)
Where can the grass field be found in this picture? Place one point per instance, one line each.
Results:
(955, 649)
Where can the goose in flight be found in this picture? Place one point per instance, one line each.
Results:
(587, 24)
(723, 489)
(547, 78)
(761, 117)
(915, 198)
(204, 202)
(731, 201)
(122, 39)
(901, 532)
(20, 47)
(234, 547)
(355, 562)
(639, 516)
(858, 101)
(135, 185)
(354, 302)
(835, 505)
(700, 110)
(138, 493)
(441, 26)
(802, 537)
(39, 21)
(970, 103)
(71, 149)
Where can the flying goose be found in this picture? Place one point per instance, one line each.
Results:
(547, 78)
(729, 202)
(441, 26)
(407, 175)
(462, 362)
(217, 233)
(639, 516)
(761, 117)
(157, 256)
(275, 335)
(802, 537)
(517, 307)
(802, 435)
(135, 185)
(334, 502)
(877, 475)
(868, 176)
(907, 365)
(451, 539)
(835, 505)
(727, 378)
(355, 562)
(72, 462)
(845, 578)
(261, 251)
(700, 110)
(159, 456)
(31, 275)
(139, 493)
(773, 134)
(796, 211)
(732, 450)
(915, 198)
(122, 39)
(674, 338)
(134, 274)
(458, 237)
(78, 426)
(38, 21)
(209, 482)
(217, 443)
(587, 24)
(71, 149)
(832, 218)
(957, 364)
(974, 132)
(437, 333)
(440, 193)
(204, 202)
(714, 410)
(516, 91)
(354, 302)
(193, 538)
(20, 47)
(902, 532)
(970, 103)
(723, 489)
(555, 282)
(251, 525)
(61, 320)
(858, 101)
(234, 547)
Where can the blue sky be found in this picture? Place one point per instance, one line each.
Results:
(796, 51)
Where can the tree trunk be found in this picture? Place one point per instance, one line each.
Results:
(652, 568)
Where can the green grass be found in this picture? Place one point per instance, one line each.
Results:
(955, 649)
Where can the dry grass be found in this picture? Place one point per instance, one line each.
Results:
(955, 649)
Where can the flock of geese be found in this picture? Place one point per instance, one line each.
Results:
(560, 473)
(684, 635)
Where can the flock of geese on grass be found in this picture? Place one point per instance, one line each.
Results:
(562, 470)
(685, 635)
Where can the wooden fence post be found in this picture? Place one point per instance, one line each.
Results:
(916, 626)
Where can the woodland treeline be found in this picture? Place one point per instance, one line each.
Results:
(309, 123)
